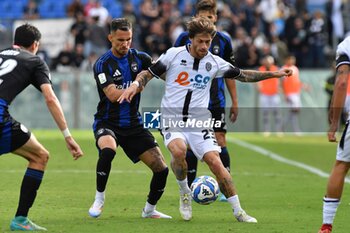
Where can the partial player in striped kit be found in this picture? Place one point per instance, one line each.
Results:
(120, 124)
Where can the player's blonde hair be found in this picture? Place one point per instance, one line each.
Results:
(199, 25)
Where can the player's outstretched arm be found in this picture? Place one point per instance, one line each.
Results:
(338, 100)
(56, 111)
(231, 87)
(256, 76)
(137, 86)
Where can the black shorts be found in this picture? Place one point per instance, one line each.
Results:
(13, 135)
(219, 115)
(134, 141)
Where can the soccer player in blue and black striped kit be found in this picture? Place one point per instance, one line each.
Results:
(121, 124)
(220, 46)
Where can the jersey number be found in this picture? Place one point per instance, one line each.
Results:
(209, 134)
(6, 67)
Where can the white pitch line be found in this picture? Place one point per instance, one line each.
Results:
(280, 158)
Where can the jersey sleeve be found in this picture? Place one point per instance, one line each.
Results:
(228, 51)
(226, 70)
(162, 64)
(102, 74)
(41, 74)
(146, 60)
(343, 53)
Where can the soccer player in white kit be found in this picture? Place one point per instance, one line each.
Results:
(188, 71)
(341, 167)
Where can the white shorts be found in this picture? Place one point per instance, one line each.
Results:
(347, 104)
(269, 101)
(293, 100)
(199, 142)
(343, 150)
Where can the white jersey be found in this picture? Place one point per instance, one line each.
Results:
(343, 52)
(188, 81)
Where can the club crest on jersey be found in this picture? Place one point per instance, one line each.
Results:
(208, 66)
(134, 67)
(216, 49)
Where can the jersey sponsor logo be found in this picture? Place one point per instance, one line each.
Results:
(134, 67)
(124, 85)
(10, 52)
(102, 78)
(183, 63)
(198, 81)
(152, 120)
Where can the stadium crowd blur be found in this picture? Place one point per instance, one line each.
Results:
(308, 29)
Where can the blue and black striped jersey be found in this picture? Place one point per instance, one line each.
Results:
(220, 46)
(121, 72)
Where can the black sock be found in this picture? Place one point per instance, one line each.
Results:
(225, 158)
(157, 186)
(192, 163)
(103, 168)
(30, 184)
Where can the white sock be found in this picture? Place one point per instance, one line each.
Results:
(149, 208)
(330, 206)
(100, 196)
(183, 186)
(235, 204)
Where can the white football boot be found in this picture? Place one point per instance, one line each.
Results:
(185, 206)
(242, 216)
(96, 208)
(154, 214)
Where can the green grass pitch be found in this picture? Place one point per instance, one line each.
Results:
(283, 198)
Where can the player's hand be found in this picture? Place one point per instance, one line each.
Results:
(233, 114)
(331, 133)
(128, 94)
(74, 148)
(285, 72)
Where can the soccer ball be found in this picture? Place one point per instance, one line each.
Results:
(204, 190)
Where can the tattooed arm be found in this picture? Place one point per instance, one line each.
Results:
(256, 76)
(137, 86)
(143, 78)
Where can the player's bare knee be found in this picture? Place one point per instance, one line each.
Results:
(220, 138)
(41, 158)
(178, 151)
(158, 165)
